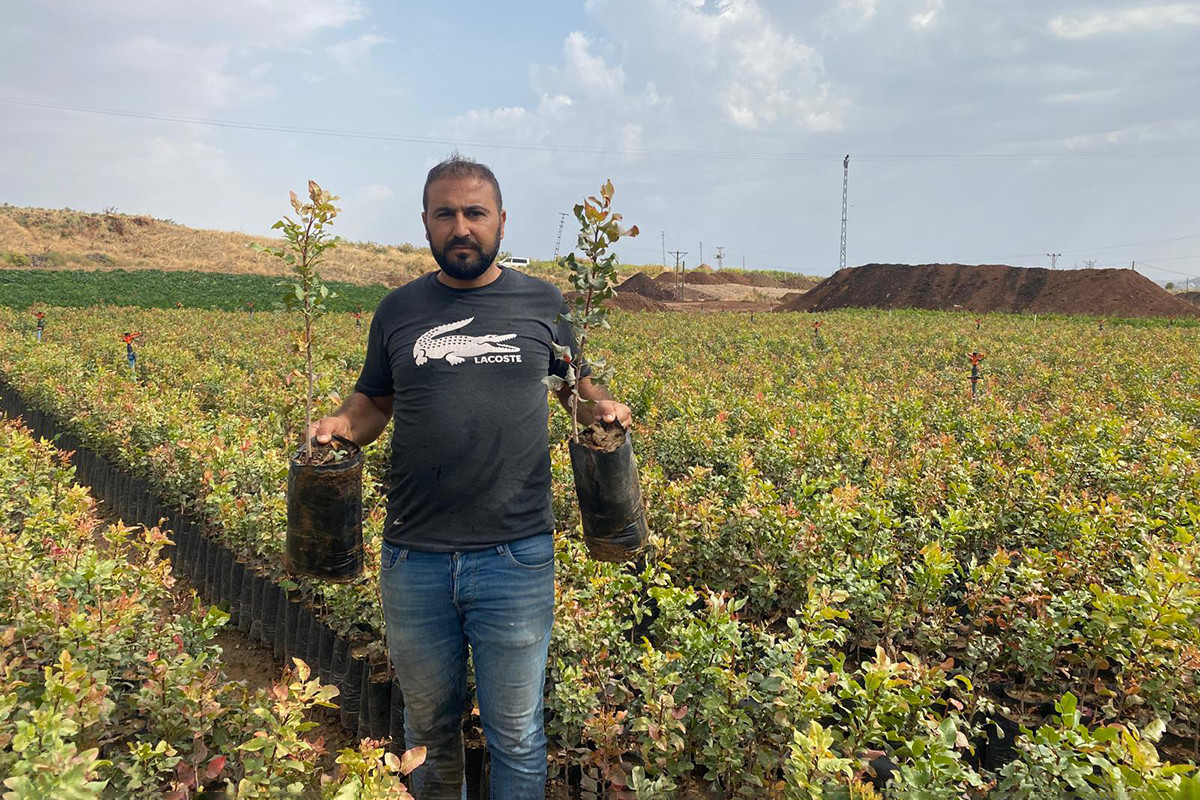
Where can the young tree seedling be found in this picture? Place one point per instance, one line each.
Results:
(307, 240)
(594, 276)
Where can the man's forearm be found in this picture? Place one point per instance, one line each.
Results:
(367, 420)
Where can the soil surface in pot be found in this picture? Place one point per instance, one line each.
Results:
(607, 437)
(324, 454)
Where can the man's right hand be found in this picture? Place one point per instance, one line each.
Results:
(326, 428)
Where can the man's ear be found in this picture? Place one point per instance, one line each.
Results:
(425, 225)
(503, 219)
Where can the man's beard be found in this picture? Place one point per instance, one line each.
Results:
(466, 266)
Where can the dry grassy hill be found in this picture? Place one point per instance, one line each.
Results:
(63, 239)
(66, 239)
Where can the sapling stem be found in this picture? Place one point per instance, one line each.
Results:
(307, 241)
(593, 277)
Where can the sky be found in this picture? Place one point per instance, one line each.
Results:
(990, 131)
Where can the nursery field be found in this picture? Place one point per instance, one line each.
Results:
(863, 581)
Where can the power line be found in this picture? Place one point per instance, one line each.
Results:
(573, 148)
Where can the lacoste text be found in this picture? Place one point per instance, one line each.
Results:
(504, 359)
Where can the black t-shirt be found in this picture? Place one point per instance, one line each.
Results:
(470, 461)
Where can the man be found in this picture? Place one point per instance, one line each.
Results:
(456, 358)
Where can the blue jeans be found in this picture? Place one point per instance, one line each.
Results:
(500, 602)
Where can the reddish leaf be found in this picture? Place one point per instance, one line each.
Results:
(214, 768)
(412, 759)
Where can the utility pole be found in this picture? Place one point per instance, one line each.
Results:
(720, 257)
(664, 243)
(845, 198)
(678, 272)
(1053, 259)
(562, 218)
(702, 254)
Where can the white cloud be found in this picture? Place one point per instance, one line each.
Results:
(1154, 17)
(726, 62)
(856, 11)
(736, 54)
(352, 54)
(590, 71)
(373, 193)
(927, 17)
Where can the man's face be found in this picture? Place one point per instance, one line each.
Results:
(464, 226)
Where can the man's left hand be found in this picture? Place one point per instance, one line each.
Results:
(609, 410)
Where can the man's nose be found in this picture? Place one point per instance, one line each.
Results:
(461, 230)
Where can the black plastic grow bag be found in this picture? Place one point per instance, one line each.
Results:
(610, 501)
(324, 518)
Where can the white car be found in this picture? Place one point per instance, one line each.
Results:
(514, 262)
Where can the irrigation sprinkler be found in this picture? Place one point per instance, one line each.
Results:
(817, 340)
(1102, 326)
(251, 307)
(978, 324)
(976, 357)
(41, 323)
(358, 318)
(130, 356)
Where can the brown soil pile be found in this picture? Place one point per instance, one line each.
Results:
(643, 284)
(790, 297)
(993, 287)
(627, 302)
(1191, 297)
(800, 282)
(634, 302)
(705, 278)
(762, 281)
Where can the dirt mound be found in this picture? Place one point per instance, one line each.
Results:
(762, 281)
(800, 282)
(705, 279)
(626, 302)
(634, 302)
(1191, 297)
(643, 284)
(790, 297)
(993, 287)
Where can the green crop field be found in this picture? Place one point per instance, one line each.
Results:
(852, 558)
(154, 288)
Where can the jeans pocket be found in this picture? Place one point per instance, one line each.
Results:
(532, 553)
(389, 555)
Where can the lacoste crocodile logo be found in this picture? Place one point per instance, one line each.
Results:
(457, 349)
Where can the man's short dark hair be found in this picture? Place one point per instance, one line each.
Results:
(457, 166)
